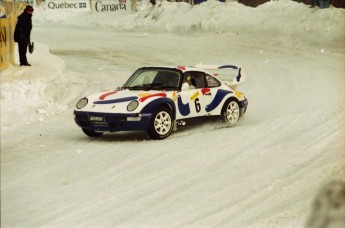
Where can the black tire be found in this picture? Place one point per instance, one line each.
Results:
(162, 124)
(92, 133)
(231, 113)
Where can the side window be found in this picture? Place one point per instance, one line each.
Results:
(195, 79)
(212, 82)
(199, 79)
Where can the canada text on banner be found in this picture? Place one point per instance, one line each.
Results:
(68, 5)
(106, 6)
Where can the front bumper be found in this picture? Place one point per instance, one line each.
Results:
(112, 122)
(243, 106)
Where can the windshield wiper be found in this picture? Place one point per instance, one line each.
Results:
(169, 87)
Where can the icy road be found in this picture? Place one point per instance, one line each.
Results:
(262, 173)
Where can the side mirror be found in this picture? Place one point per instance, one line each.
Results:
(185, 86)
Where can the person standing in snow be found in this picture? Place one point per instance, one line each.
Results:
(22, 33)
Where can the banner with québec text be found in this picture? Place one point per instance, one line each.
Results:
(68, 5)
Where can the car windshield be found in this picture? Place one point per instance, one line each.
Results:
(154, 79)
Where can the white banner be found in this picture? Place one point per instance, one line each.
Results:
(68, 5)
(106, 6)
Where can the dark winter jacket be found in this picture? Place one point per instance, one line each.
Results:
(23, 28)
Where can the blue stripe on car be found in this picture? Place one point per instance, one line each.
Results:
(238, 78)
(228, 66)
(119, 100)
(183, 108)
(153, 105)
(217, 100)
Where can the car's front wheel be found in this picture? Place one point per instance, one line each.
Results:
(231, 113)
(161, 124)
(92, 133)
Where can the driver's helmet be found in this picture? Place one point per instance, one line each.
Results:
(191, 81)
(188, 78)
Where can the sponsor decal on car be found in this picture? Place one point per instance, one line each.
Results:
(174, 96)
(146, 114)
(96, 118)
(238, 94)
(103, 96)
(206, 91)
(195, 95)
(181, 68)
(142, 99)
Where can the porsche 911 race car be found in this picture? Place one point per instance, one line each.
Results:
(162, 99)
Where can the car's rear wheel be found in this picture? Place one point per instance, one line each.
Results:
(161, 124)
(231, 113)
(92, 133)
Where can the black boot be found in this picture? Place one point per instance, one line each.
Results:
(25, 64)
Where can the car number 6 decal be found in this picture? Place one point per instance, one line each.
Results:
(197, 105)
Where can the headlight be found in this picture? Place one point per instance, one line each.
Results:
(82, 103)
(132, 105)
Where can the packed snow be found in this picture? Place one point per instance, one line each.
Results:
(265, 172)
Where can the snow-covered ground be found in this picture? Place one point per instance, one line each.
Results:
(264, 172)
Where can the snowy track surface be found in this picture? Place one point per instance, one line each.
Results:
(262, 173)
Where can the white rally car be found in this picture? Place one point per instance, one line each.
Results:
(162, 99)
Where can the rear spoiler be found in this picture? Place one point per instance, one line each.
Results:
(224, 72)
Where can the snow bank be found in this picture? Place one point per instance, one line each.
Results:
(30, 93)
(282, 22)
